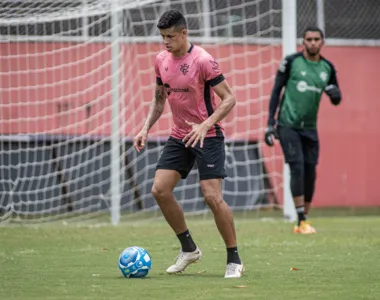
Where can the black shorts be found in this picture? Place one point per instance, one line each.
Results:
(299, 145)
(210, 159)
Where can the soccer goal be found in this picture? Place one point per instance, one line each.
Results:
(77, 78)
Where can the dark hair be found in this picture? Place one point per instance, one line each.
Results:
(172, 18)
(313, 29)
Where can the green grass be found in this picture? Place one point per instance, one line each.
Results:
(54, 261)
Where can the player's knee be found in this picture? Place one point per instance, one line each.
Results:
(159, 192)
(296, 170)
(212, 193)
(212, 196)
(156, 191)
(213, 200)
(297, 178)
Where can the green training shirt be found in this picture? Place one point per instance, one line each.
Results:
(304, 83)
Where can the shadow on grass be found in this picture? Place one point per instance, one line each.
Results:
(174, 276)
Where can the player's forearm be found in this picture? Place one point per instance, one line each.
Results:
(221, 111)
(156, 109)
(275, 97)
(155, 112)
(273, 104)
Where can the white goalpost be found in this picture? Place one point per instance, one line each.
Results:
(115, 116)
(76, 80)
(289, 45)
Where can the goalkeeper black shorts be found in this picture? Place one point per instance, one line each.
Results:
(299, 145)
(210, 159)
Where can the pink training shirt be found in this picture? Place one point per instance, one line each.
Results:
(188, 81)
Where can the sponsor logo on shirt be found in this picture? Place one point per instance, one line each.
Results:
(170, 90)
(302, 87)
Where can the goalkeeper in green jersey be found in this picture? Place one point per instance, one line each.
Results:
(305, 76)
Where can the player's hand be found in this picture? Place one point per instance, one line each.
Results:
(139, 140)
(270, 133)
(334, 93)
(197, 134)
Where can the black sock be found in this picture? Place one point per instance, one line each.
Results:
(233, 256)
(187, 242)
(301, 214)
(306, 216)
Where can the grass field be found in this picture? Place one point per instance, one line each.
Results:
(54, 261)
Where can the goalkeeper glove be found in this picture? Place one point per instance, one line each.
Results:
(334, 93)
(270, 132)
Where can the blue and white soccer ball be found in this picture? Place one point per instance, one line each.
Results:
(135, 262)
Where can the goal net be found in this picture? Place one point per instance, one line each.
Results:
(76, 80)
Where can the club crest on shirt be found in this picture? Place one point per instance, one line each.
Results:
(323, 76)
(184, 69)
(215, 66)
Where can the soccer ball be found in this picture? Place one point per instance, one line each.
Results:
(135, 262)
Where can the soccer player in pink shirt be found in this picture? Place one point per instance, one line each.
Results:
(188, 76)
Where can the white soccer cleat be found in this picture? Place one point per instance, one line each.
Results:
(184, 259)
(234, 271)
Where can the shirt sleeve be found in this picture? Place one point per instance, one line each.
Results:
(157, 71)
(333, 78)
(210, 70)
(282, 77)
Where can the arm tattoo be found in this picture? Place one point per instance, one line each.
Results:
(156, 107)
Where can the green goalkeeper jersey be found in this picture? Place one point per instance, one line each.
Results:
(304, 83)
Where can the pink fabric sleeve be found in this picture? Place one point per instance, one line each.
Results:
(210, 70)
(157, 70)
